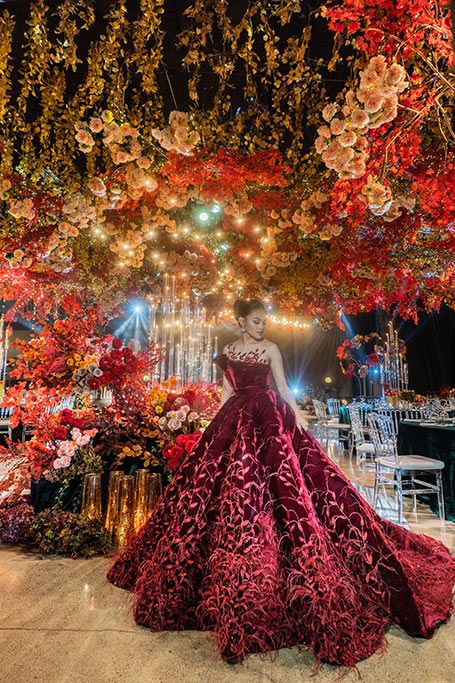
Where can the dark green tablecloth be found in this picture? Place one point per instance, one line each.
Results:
(436, 442)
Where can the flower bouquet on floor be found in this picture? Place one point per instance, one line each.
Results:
(59, 453)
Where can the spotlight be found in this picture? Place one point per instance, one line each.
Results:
(203, 216)
(295, 391)
(138, 308)
(328, 380)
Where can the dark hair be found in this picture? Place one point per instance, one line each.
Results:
(243, 307)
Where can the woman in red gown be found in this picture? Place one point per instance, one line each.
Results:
(261, 540)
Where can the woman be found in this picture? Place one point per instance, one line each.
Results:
(261, 540)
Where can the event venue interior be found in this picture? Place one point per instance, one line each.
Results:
(227, 334)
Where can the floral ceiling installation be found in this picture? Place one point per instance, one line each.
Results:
(230, 155)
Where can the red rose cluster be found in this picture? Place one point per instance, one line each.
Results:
(173, 453)
(372, 360)
(115, 365)
(68, 420)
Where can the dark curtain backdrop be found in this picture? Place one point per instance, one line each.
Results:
(309, 356)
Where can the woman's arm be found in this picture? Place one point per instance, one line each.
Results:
(227, 390)
(276, 365)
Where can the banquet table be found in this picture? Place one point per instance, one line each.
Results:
(433, 440)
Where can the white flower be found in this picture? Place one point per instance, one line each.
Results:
(174, 424)
(193, 416)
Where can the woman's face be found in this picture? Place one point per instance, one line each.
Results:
(254, 323)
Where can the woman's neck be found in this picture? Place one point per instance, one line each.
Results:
(248, 340)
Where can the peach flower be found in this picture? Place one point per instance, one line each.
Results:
(97, 187)
(337, 126)
(95, 125)
(320, 145)
(359, 118)
(329, 111)
(373, 102)
(347, 139)
(324, 132)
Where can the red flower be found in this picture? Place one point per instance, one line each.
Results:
(80, 424)
(116, 355)
(117, 343)
(173, 455)
(60, 433)
(188, 441)
(94, 383)
(349, 372)
(65, 415)
(341, 350)
(372, 360)
(189, 396)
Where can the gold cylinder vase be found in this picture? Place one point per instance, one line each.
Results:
(113, 498)
(125, 523)
(91, 496)
(141, 498)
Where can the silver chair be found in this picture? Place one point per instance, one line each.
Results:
(326, 425)
(363, 447)
(390, 467)
(5, 422)
(436, 409)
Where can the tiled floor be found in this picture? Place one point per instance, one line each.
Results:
(61, 622)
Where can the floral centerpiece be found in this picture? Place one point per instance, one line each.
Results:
(359, 355)
(179, 417)
(401, 399)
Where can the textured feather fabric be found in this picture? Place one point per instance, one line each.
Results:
(261, 540)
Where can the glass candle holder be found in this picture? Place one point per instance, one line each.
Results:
(155, 489)
(113, 498)
(91, 496)
(125, 524)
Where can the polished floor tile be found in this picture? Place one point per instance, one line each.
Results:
(62, 622)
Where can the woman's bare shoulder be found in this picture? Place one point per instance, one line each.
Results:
(270, 346)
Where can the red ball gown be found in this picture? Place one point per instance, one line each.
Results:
(261, 540)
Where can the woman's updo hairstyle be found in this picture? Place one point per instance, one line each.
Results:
(243, 307)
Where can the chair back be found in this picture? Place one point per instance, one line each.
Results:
(383, 435)
(333, 406)
(320, 409)
(5, 413)
(394, 415)
(437, 409)
(356, 423)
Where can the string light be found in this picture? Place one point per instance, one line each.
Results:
(286, 322)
